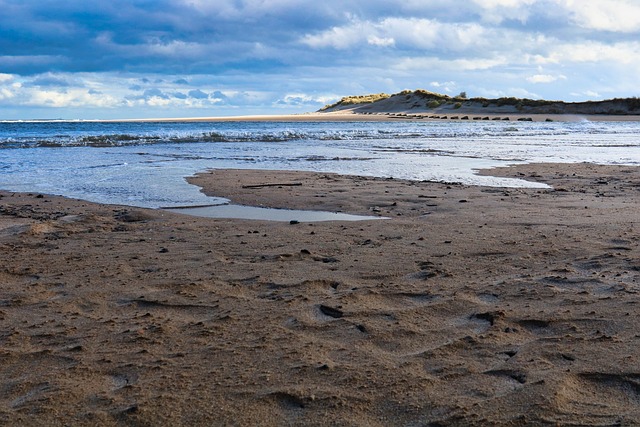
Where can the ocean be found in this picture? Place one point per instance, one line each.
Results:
(145, 163)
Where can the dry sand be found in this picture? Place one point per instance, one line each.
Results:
(470, 306)
(398, 114)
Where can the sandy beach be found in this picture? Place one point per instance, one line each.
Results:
(468, 306)
(399, 114)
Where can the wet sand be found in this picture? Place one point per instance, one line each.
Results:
(470, 306)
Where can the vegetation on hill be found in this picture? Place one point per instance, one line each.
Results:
(427, 100)
(357, 99)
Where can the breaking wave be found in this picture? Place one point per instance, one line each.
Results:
(91, 134)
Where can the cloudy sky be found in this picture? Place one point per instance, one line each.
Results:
(183, 58)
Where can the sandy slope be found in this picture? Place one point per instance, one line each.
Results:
(433, 105)
(469, 306)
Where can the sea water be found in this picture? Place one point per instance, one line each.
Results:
(145, 163)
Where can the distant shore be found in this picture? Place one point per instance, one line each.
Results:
(348, 116)
(423, 102)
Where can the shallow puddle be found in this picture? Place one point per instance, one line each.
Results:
(268, 214)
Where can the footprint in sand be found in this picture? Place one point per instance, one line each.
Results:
(602, 398)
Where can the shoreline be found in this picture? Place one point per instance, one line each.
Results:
(470, 306)
(422, 116)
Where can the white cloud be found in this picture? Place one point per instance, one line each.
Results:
(158, 101)
(605, 15)
(493, 4)
(67, 99)
(522, 93)
(621, 54)
(462, 64)
(545, 78)
(588, 93)
(429, 34)
(405, 33)
(306, 99)
(6, 94)
(592, 94)
(618, 53)
(175, 48)
(442, 84)
(341, 37)
(380, 41)
(447, 87)
(112, 92)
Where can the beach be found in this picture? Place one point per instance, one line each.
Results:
(466, 305)
(401, 114)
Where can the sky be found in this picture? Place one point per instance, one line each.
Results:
(78, 59)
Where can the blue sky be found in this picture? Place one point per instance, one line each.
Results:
(185, 58)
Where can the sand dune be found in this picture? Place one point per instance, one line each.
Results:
(425, 105)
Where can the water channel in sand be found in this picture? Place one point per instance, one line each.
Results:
(269, 214)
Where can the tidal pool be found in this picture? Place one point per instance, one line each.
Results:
(269, 214)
